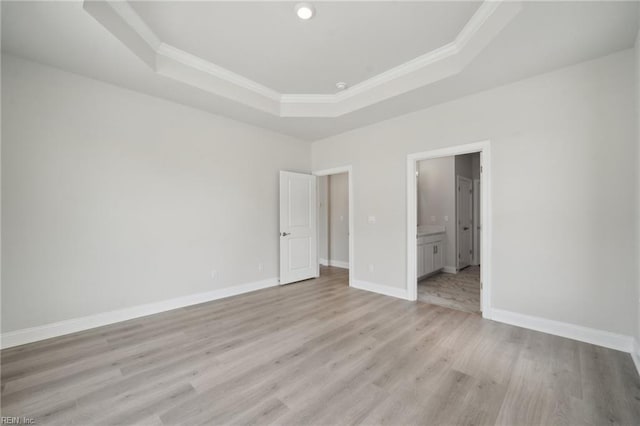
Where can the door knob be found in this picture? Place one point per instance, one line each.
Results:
(466, 228)
(284, 234)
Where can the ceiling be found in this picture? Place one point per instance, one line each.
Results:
(345, 41)
(262, 56)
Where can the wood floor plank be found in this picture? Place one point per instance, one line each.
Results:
(318, 352)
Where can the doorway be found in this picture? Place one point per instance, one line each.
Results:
(439, 247)
(335, 223)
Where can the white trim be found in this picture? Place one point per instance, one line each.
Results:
(198, 63)
(484, 148)
(594, 336)
(47, 331)
(352, 253)
(400, 293)
(121, 19)
(331, 262)
(131, 17)
(339, 264)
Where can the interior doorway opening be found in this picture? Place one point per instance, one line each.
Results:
(335, 223)
(448, 227)
(446, 269)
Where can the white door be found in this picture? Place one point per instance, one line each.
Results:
(464, 213)
(477, 223)
(298, 240)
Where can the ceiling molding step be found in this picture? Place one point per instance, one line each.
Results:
(194, 71)
(123, 22)
(480, 34)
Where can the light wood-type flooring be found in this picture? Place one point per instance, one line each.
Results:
(318, 352)
(457, 291)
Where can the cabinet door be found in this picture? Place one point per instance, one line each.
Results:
(428, 258)
(438, 258)
(420, 259)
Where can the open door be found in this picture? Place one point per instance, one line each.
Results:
(464, 212)
(298, 216)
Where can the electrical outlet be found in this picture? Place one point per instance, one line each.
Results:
(214, 274)
(371, 219)
(260, 267)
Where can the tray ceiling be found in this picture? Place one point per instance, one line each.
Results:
(255, 44)
(541, 37)
(345, 41)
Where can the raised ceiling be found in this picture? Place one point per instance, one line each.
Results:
(345, 41)
(540, 37)
(453, 43)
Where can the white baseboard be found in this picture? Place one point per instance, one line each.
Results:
(339, 264)
(47, 331)
(336, 263)
(635, 355)
(594, 336)
(450, 270)
(400, 293)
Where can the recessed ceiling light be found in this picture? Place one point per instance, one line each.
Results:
(341, 85)
(305, 11)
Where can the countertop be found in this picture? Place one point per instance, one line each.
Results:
(430, 230)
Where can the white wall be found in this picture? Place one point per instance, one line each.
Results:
(563, 180)
(339, 218)
(112, 198)
(436, 200)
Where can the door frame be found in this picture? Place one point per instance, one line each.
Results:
(457, 221)
(334, 171)
(484, 148)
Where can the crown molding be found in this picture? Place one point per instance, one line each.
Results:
(119, 18)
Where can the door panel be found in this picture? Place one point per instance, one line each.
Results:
(464, 213)
(298, 240)
(299, 253)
